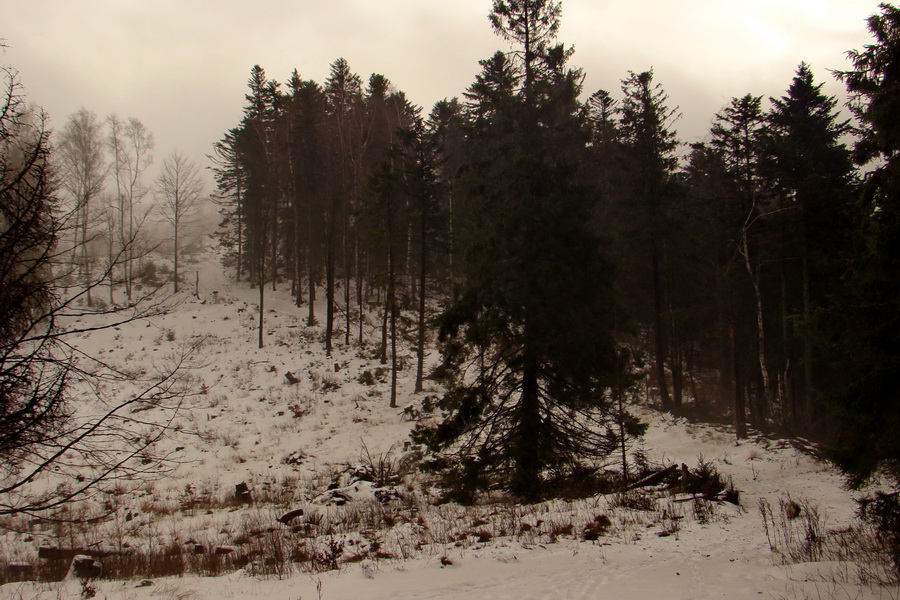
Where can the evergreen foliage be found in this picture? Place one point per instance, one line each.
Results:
(757, 291)
(528, 348)
(863, 328)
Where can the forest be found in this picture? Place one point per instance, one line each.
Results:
(566, 246)
(564, 252)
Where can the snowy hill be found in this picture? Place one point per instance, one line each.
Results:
(325, 441)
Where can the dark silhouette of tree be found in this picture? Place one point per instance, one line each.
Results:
(231, 182)
(812, 172)
(256, 146)
(305, 113)
(343, 91)
(448, 124)
(528, 348)
(420, 156)
(736, 135)
(383, 218)
(649, 149)
(863, 326)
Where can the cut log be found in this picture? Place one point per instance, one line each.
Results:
(242, 493)
(290, 516)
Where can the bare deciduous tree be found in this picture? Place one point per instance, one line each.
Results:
(52, 451)
(179, 191)
(83, 169)
(131, 145)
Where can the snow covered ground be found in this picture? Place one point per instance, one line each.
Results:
(250, 425)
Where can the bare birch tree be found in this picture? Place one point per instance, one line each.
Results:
(179, 192)
(51, 452)
(83, 169)
(131, 145)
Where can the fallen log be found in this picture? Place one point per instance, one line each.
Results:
(653, 478)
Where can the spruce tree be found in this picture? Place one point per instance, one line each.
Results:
(343, 91)
(649, 152)
(230, 176)
(863, 327)
(528, 345)
(420, 155)
(256, 148)
(812, 172)
(736, 136)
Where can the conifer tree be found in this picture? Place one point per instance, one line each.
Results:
(307, 171)
(343, 92)
(528, 342)
(447, 123)
(812, 172)
(382, 216)
(257, 152)
(420, 156)
(736, 136)
(863, 328)
(230, 176)
(646, 130)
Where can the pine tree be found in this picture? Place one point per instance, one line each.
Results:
(305, 113)
(447, 123)
(736, 136)
(383, 217)
(230, 176)
(343, 92)
(650, 143)
(863, 327)
(527, 344)
(256, 146)
(812, 171)
(421, 158)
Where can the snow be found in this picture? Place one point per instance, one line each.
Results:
(252, 426)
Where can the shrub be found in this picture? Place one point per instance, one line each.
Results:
(883, 512)
(596, 528)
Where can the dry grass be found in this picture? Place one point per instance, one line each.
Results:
(797, 532)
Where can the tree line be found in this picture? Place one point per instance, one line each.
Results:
(574, 243)
(566, 251)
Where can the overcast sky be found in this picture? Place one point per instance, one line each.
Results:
(181, 66)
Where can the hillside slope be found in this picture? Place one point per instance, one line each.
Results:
(294, 444)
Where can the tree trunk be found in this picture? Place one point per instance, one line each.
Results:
(311, 273)
(348, 263)
(329, 291)
(392, 307)
(262, 304)
(420, 350)
(740, 413)
(240, 235)
(527, 478)
(760, 326)
(360, 280)
(807, 344)
(660, 359)
(175, 260)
